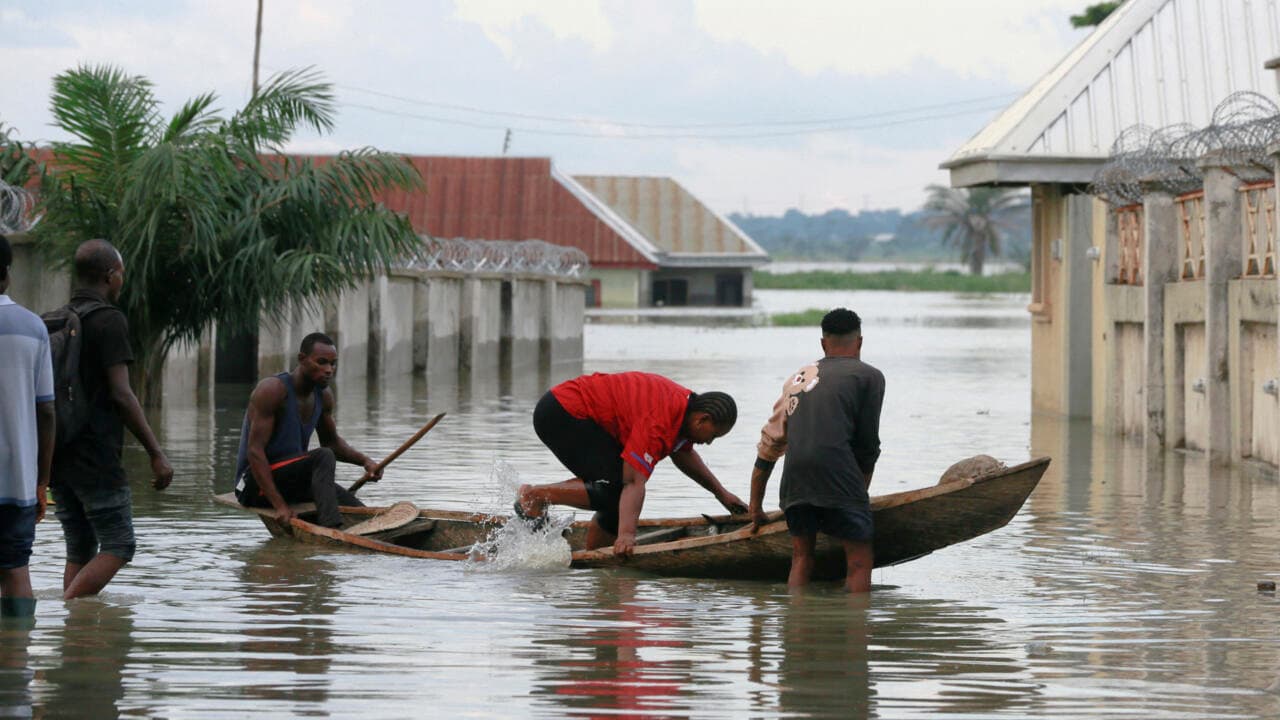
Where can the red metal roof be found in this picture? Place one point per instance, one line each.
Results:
(503, 198)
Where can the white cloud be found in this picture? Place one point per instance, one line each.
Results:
(1013, 40)
(499, 19)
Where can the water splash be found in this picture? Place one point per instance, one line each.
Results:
(516, 546)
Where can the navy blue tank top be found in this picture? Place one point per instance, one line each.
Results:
(291, 436)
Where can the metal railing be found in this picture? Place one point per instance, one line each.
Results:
(501, 256)
(1129, 229)
(1259, 245)
(1191, 229)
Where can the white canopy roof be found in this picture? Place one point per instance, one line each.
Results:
(1152, 62)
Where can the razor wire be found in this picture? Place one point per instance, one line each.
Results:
(1239, 133)
(534, 257)
(17, 208)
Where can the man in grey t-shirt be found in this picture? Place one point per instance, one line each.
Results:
(827, 423)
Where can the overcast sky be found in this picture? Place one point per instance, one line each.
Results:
(641, 87)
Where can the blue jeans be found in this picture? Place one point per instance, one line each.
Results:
(17, 532)
(95, 518)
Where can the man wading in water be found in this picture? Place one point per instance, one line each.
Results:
(827, 422)
(610, 430)
(273, 466)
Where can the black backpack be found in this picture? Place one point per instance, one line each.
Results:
(65, 337)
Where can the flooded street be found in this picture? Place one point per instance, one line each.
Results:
(1125, 587)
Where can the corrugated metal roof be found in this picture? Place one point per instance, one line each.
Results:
(682, 227)
(506, 198)
(1154, 62)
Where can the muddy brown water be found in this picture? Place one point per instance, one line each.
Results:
(1126, 586)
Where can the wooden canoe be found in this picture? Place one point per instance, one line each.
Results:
(908, 525)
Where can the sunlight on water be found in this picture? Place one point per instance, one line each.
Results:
(517, 546)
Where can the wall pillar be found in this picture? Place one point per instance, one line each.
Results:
(522, 329)
(437, 318)
(481, 328)
(1159, 267)
(1222, 264)
(1078, 298)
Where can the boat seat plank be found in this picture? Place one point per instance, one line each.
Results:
(410, 528)
(663, 535)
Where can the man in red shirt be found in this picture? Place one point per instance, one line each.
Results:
(610, 430)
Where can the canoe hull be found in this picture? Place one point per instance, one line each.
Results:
(908, 525)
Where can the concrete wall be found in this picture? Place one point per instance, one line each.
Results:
(391, 323)
(1062, 302)
(437, 323)
(33, 282)
(480, 331)
(621, 288)
(346, 320)
(522, 305)
(564, 315)
(1186, 419)
(1252, 311)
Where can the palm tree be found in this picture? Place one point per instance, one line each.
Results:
(974, 219)
(214, 223)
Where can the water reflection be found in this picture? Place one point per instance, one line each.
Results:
(632, 660)
(16, 671)
(288, 648)
(92, 649)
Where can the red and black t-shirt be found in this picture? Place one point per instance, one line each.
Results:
(642, 411)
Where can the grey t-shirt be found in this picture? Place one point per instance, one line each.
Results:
(827, 422)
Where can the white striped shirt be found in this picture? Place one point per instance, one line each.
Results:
(26, 378)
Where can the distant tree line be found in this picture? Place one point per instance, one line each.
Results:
(871, 235)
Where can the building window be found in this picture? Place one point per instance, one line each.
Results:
(729, 290)
(674, 291)
(593, 294)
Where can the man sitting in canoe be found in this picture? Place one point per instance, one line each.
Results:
(610, 430)
(827, 422)
(273, 466)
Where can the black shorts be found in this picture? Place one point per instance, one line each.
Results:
(852, 524)
(588, 451)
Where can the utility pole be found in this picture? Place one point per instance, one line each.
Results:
(257, 48)
(506, 140)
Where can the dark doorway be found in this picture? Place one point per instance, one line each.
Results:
(729, 290)
(674, 291)
(237, 358)
(593, 294)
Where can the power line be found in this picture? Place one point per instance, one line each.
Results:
(580, 120)
(603, 135)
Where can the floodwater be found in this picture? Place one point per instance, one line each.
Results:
(1125, 587)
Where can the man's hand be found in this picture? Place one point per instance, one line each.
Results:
(372, 470)
(42, 501)
(759, 518)
(732, 503)
(161, 471)
(624, 545)
(284, 514)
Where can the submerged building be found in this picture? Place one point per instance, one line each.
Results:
(1150, 151)
(649, 241)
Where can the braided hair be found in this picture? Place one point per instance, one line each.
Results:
(719, 406)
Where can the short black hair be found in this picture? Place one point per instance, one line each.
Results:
(719, 406)
(6, 257)
(841, 322)
(95, 259)
(309, 342)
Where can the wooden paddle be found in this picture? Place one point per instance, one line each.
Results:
(399, 451)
